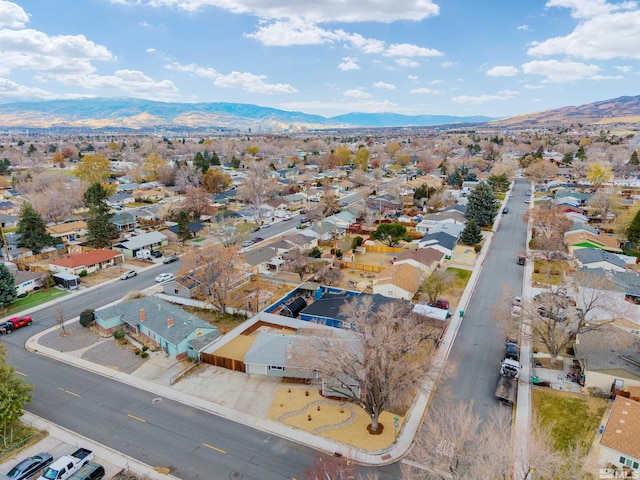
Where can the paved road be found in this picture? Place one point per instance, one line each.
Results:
(479, 345)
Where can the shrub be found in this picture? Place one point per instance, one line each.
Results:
(315, 252)
(145, 348)
(118, 334)
(144, 354)
(477, 248)
(87, 317)
(137, 351)
(83, 273)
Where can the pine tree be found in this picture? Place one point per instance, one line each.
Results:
(183, 226)
(98, 226)
(32, 229)
(471, 234)
(634, 158)
(633, 232)
(481, 205)
(7, 285)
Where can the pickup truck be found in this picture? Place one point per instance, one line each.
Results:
(67, 465)
(15, 322)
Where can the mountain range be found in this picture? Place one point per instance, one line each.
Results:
(138, 114)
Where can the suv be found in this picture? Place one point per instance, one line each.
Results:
(156, 253)
(171, 259)
(441, 303)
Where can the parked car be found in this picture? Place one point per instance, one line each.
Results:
(505, 210)
(257, 240)
(247, 243)
(156, 253)
(30, 466)
(128, 274)
(171, 259)
(440, 303)
(164, 277)
(15, 322)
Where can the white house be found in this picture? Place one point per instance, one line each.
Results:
(398, 281)
(619, 444)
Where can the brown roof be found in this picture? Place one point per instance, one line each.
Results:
(604, 242)
(404, 276)
(623, 427)
(634, 392)
(92, 257)
(426, 256)
(67, 227)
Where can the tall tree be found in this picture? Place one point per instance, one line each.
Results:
(379, 364)
(152, 166)
(196, 202)
(33, 229)
(7, 286)
(100, 229)
(201, 163)
(499, 182)
(481, 205)
(184, 233)
(633, 231)
(93, 167)
(390, 233)
(437, 283)
(215, 180)
(14, 394)
(361, 159)
(472, 234)
(633, 160)
(257, 187)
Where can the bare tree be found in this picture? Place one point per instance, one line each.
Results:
(59, 316)
(230, 232)
(329, 275)
(331, 468)
(53, 196)
(218, 269)
(257, 186)
(379, 364)
(196, 202)
(297, 262)
(437, 283)
(187, 175)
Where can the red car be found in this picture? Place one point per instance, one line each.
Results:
(440, 303)
(15, 322)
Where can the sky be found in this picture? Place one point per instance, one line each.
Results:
(328, 57)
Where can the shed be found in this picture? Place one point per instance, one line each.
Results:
(294, 307)
(67, 280)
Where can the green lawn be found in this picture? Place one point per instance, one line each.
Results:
(33, 300)
(572, 418)
(462, 276)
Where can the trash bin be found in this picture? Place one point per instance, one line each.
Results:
(461, 313)
(534, 380)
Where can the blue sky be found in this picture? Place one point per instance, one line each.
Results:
(327, 57)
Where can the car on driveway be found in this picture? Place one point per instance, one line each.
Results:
(440, 303)
(164, 277)
(128, 274)
(28, 467)
(171, 259)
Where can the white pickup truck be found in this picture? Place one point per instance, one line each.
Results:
(65, 466)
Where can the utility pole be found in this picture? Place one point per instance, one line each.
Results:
(4, 242)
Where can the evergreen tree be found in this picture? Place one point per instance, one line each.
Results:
(98, 226)
(581, 154)
(633, 232)
(215, 160)
(634, 158)
(183, 226)
(201, 162)
(471, 234)
(32, 229)
(499, 183)
(481, 205)
(455, 179)
(7, 285)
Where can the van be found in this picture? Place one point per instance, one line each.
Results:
(91, 471)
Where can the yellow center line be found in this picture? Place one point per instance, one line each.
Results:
(213, 448)
(136, 418)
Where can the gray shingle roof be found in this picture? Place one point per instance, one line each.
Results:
(608, 348)
(595, 255)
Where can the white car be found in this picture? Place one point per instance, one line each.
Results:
(128, 274)
(165, 277)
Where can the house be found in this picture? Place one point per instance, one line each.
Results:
(576, 240)
(398, 281)
(120, 199)
(27, 281)
(619, 445)
(124, 222)
(594, 258)
(301, 241)
(194, 228)
(432, 220)
(147, 241)
(453, 229)
(426, 259)
(440, 241)
(8, 221)
(68, 232)
(271, 354)
(165, 325)
(609, 354)
(187, 286)
(263, 259)
(89, 261)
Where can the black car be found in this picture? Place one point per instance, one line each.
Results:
(28, 467)
(171, 259)
(156, 253)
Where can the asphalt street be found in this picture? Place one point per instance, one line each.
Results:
(474, 360)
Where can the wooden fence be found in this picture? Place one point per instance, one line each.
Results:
(382, 249)
(363, 267)
(228, 363)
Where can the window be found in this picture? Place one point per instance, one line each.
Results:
(622, 460)
(635, 465)
(274, 367)
(628, 463)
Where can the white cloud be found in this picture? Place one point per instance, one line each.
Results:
(503, 71)
(500, 96)
(349, 63)
(315, 10)
(386, 86)
(357, 93)
(624, 68)
(412, 77)
(33, 50)
(422, 91)
(523, 27)
(533, 87)
(405, 62)
(605, 31)
(10, 89)
(244, 80)
(556, 71)
(447, 64)
(131, 82)
(410, 50)
(436, 82)
(606, 77)
(12, 15)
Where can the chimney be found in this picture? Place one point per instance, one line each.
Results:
(169, 322)
(142, 316)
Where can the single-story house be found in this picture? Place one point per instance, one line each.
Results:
(595, 258)
(398, 281)
(263, 259)
(619, 445)
(8, 221)
(433, 219)
(187, 286)
(69, 231)
(148, 241)
(301, 241)
(609, 354)
(162, 323)
(124, 221)
(119, 199)
(426, 259)
(194, 228)
(27, 281)
(441, 241)
(89, 261)
(582, 239)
